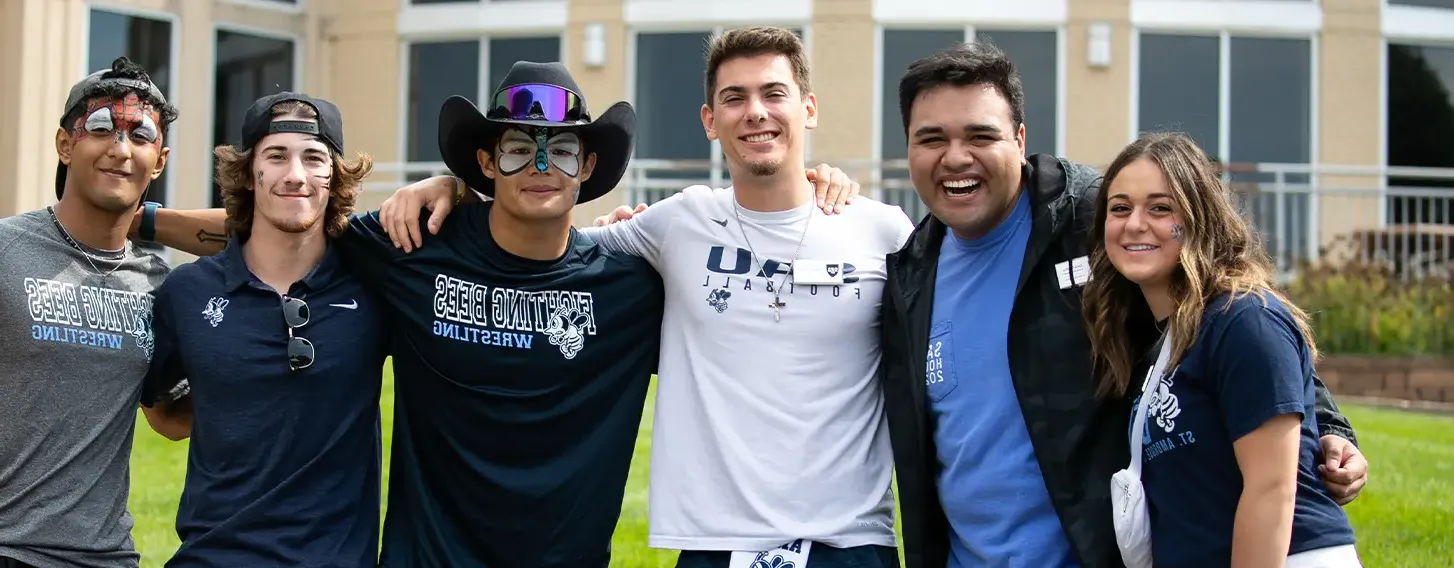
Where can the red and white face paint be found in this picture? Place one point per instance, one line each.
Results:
(126, 118)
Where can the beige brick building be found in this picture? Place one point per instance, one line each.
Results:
(1324, 95)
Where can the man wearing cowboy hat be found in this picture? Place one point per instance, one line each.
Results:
(523, 350)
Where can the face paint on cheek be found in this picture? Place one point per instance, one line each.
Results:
(1178, 233)
(323, 181)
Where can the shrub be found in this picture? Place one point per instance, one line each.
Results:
(1365, 308)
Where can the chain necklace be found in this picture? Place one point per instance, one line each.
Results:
(85, 253)
(777, 303)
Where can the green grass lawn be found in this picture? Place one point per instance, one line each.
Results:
(1404, 518)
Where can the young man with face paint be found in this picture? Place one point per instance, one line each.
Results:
(282, 351)
(75, 328)
(522, 349)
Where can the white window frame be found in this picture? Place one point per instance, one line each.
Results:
(173, 69)
(1006, 14)
(483, 90)
(1224, 96)
(969, 35)
(715, 14)
(1414, 25)
(718, 162)
(1241, 16)
(482, 18)
(297, 6)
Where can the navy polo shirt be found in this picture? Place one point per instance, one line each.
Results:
(284, 466)
(519, 387)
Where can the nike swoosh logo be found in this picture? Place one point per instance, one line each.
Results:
(351, 305)
(722, 222)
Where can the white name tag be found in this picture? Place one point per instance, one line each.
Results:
(1080, 270)
(1074, 272)
(811, 271)
(790, 555)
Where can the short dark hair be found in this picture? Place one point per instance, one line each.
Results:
(123, 68)
(964, 64)
(752, 42)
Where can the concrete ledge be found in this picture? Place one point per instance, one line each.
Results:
(1412, 378)
(1401, 404)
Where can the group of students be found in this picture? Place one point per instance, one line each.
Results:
(810, 344)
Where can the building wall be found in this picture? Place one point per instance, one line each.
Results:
(358, 53)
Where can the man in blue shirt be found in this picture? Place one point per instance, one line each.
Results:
(1001, 509)
(282, 351)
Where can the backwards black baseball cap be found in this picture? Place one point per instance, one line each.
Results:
(258, 122)
(92, 86)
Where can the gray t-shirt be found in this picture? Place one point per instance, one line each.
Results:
(75, 342)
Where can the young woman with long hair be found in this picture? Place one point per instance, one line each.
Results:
(1229, 449)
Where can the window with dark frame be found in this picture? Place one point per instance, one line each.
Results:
(248, 67)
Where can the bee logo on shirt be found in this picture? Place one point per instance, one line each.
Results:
(566, 330)
(213, 312)
(718, 299)
(142, 332)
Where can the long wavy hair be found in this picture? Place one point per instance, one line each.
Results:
(235, 177)
(1219, 254)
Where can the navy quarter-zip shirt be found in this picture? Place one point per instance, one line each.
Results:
(519, 387)
(284, 466)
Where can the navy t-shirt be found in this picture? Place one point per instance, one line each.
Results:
(1249, 364)
(283, 467)
(519, 387)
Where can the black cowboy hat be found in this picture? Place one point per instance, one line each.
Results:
(521, 99)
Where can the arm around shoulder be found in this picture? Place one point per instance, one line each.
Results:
(166, 399)
(200, 232)
(173, 420)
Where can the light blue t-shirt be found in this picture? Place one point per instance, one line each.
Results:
(989, 483)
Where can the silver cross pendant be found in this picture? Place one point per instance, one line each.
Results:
(776, 306)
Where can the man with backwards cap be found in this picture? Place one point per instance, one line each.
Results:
(75, 329)
(282, 350)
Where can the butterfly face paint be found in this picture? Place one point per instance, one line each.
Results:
(540, 149)
(124, 118)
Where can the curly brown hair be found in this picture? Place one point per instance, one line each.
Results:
(1220, 255)
(235, 177)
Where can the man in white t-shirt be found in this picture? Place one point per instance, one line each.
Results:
(769, 439)
(769, 420)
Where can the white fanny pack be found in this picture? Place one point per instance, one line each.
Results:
(1128, 497)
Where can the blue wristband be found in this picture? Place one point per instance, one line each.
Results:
(148, 231)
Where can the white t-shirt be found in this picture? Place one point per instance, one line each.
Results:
(766, 431)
